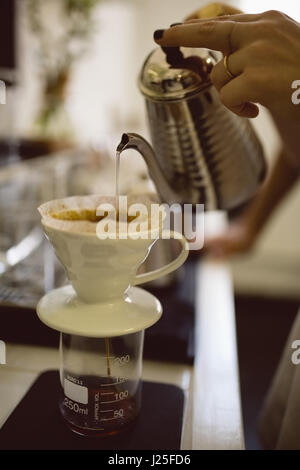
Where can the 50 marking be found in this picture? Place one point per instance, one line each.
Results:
(119, 413)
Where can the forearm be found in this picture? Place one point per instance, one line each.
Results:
(290, 134)
(282, 178)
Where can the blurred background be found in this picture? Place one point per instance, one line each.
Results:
(71, 70)
(74, 75)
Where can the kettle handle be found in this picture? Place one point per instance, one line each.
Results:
(170, 267)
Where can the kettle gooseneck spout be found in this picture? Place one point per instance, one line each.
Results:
(134, 141)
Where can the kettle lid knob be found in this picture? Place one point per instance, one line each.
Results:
(171, 73)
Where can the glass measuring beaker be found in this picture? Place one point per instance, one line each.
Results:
(101, 382)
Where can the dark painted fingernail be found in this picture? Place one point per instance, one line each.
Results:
(175, 24)
(158, 34)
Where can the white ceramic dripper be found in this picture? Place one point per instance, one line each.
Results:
(101, 301)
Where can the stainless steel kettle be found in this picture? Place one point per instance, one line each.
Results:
(202, 152)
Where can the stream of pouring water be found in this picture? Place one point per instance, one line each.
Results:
(107, 350)
(117, 193)
(117, 184)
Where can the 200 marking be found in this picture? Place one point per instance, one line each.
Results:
(121, 360)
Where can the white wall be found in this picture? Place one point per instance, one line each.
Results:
(290, 7)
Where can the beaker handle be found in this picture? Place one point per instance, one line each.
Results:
(173, 265)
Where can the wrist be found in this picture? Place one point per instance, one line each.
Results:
(250, 225)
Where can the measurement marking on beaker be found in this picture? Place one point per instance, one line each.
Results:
(107, 393)
(106, 411)
(107, 347)
(114, 383)
(114, 401)
(122, 360)
(109, 419)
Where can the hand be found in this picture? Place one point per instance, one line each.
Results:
(263, 54)
(237, 239)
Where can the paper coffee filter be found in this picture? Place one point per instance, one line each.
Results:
(83, 206)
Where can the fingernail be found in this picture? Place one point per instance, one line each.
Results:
(175, 24)
(158, 34)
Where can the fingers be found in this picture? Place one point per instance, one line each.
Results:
(240, 18)
(246, 110)
(236, 96)
(224, 36)
(235, 63)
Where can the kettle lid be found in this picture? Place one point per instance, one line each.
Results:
(171, 73)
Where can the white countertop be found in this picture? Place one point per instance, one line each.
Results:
(213, 413)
